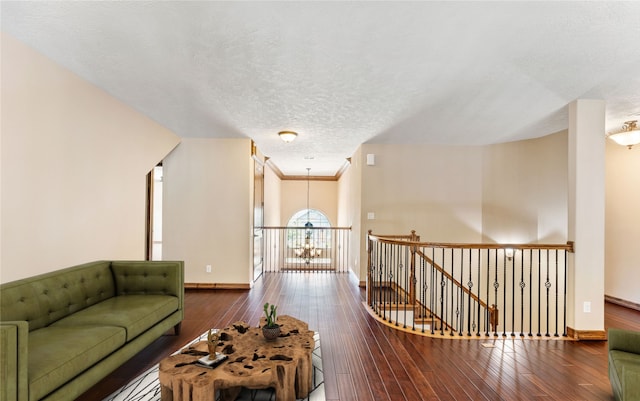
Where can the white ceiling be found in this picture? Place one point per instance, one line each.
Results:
(346, 73)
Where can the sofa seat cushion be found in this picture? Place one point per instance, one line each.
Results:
(135, 313)
(621, 361)
(57, 354)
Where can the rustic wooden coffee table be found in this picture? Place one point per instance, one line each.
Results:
(284, 364)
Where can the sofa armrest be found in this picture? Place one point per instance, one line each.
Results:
(14, 360)
(624, 340)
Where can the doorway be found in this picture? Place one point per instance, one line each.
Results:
(258, 217)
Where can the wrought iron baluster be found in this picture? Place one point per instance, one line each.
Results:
(486, 320)
(470, 286)
(478, 290)
(424, 289)
(513, 289)
(461, 298)
(522, 285)
(547, 285)
(539, 289)
(496, 286)
(402, 287)
(530, 291)
(566, 268)
(443, 312)
(451, 319)
(434, 288)
(555, 334)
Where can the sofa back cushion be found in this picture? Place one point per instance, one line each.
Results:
(148, 278)
(46, 298)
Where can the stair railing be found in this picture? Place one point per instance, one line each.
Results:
(290, 249)
(468, 289)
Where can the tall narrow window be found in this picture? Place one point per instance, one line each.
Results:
(154, 213)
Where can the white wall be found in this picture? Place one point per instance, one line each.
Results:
(622, 222)
(208, 196)
(74, 162)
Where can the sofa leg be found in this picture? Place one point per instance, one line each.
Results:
(176, 329)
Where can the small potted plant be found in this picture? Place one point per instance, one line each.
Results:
(271, 329)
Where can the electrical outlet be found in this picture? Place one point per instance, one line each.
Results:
(586, 307)
(208, 268)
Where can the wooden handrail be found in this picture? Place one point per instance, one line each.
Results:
(462, 245)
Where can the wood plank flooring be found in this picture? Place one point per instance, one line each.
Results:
(366, 361)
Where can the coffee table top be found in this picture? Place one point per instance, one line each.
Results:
(253, 362)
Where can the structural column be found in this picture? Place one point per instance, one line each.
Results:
(586, 218)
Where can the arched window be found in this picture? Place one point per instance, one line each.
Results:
(305, 230)
(313, 216)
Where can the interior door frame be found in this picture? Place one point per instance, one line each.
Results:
(258, 213)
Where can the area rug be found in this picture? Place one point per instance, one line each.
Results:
(146, 387)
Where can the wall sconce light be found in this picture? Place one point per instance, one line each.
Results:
(628, 136)
(508, 252)
(287, 136)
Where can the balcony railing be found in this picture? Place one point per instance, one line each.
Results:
(306, 249)
(468, 289)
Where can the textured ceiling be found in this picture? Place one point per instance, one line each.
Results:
(346, 73)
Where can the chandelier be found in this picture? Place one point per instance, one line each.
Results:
(307, 251)
(628, 136)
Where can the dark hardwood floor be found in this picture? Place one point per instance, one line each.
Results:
(364, 360)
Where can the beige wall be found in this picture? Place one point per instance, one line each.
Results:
(524, 191)
(435, 190)
(622, 222)
(345, 210)
(512, 192)
(208, 193)
(349, 212)
(74, 161)
(323, 196)
(272, 198)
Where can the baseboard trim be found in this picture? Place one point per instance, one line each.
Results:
(363, 284)
(586, 335)
(622, 302)
(216, 286)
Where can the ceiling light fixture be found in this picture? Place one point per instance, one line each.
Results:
(628, 136)
(287, 136)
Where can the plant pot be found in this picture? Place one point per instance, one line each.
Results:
(271, 333)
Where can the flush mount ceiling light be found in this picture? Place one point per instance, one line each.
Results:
(287, 136)
(628, 136)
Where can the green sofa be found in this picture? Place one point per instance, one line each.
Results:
(624, 364)
(62, 332)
